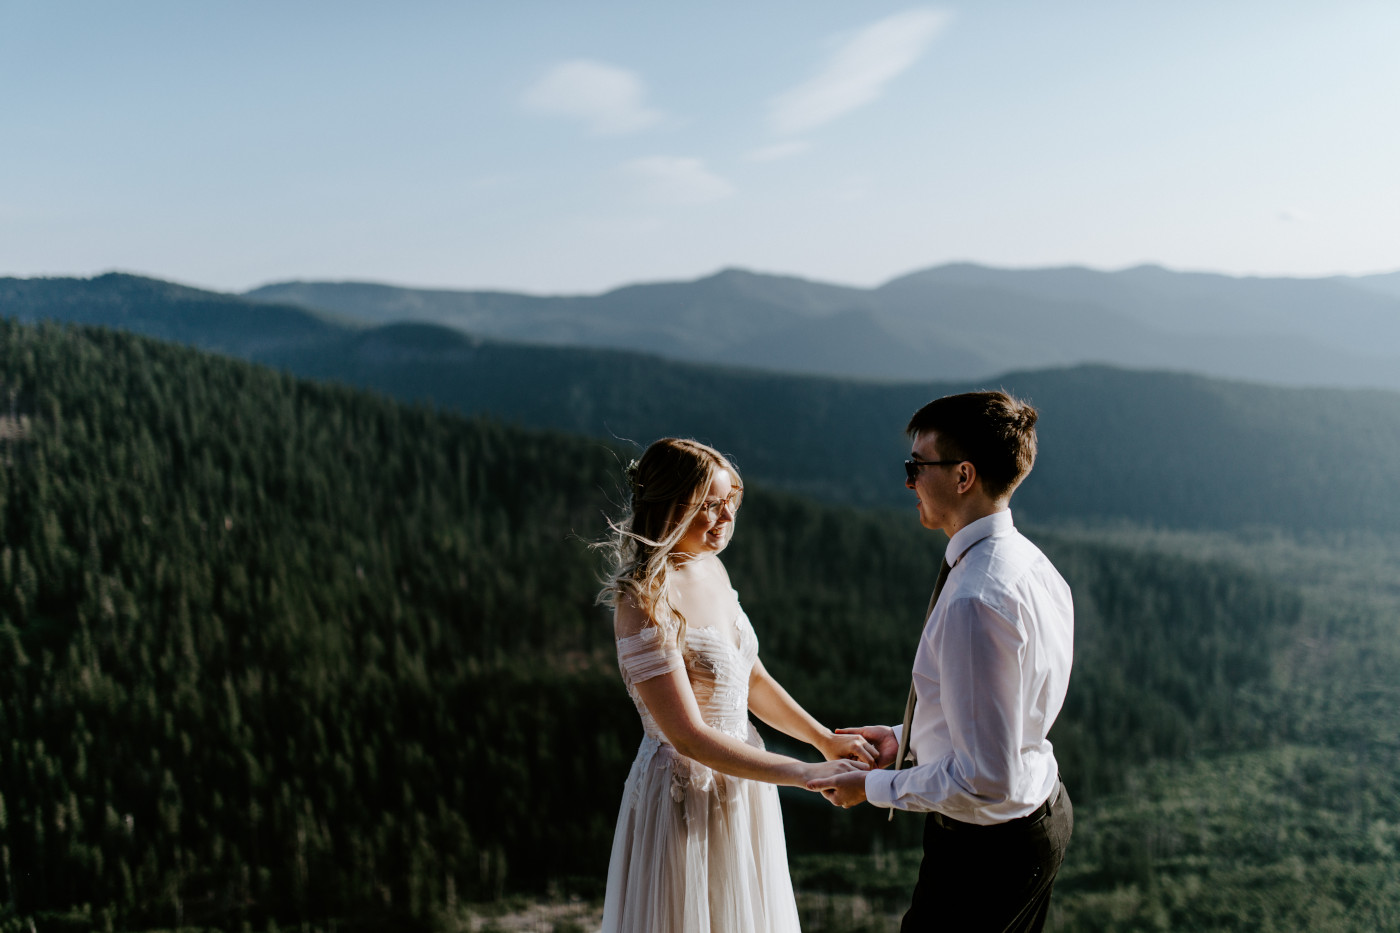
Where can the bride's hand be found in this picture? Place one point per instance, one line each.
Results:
(824, 770)
(852, 745)
(843, 790)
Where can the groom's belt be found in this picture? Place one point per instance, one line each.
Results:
(1035, 816)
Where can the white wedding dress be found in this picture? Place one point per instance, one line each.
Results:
(697, 851)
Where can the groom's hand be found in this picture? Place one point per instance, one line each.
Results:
(882, 737)
(843, 790)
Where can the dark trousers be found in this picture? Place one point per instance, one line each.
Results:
(976, 878)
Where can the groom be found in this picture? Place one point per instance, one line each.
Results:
(990, 674)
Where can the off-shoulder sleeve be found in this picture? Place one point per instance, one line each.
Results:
(647, 654)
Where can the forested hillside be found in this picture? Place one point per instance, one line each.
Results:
(1164, 449)
(273, 650)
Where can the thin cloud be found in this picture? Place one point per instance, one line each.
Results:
(858, 71)
(609, 100)
(677, 180)
(783, 150)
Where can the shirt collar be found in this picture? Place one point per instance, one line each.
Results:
(998, 523)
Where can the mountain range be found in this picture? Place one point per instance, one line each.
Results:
(958, 321)
(1167, 449)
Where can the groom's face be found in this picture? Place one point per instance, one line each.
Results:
(936, 486)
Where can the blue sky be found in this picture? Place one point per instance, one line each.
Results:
(571, 147)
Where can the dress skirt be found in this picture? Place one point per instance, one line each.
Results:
(697, 851)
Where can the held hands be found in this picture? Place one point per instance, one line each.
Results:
(843, 790)
(880, 738)
(819, 772)
(848, 743)
(875, 744)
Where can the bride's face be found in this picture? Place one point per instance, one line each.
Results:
(713, 525)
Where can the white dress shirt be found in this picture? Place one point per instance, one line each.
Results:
(990, 673)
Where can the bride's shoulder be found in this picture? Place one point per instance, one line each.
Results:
(630, 619)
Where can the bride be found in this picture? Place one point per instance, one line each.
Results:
(699, 841)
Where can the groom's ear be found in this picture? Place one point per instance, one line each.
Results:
(967, 476)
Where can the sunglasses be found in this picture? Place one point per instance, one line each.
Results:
(912, 467)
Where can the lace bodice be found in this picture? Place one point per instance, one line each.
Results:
(717, 659)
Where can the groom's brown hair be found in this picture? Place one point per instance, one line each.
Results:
(992, 430)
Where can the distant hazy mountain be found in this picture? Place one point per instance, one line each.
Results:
(1387, 283)
(951, 322)
(1170, 449)
(1350, 314)
(733, 317)
(209, 320)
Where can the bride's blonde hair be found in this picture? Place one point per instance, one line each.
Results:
(668, 486)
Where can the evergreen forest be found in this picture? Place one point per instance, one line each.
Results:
(278, 653)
